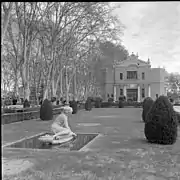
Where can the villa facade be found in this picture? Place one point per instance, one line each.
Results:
(135, 79)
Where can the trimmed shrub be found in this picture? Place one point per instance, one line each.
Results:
(110, 101)
(26, 104)
(106, 104)
(57, 102)
(46, 110)
(147, 98)
(8, 110)
(178, 116)
(98, 103)
(161, 122)
(147, 104)
(14, 101)
(74, 106)
(121, 104)
(88, 105)
(138, 104)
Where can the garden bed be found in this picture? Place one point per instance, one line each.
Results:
(125, 104)
(31, 109)
(28, 114)
(22, 116)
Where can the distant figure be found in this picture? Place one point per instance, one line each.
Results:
(22, 100)
(124, 98)
(61, 99)
(60, 126)
(41, 101)
(156, 96)
(171, 101)
(57, 102)
(14, 101)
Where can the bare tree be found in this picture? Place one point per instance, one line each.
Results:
(6, 8)
(46, 38)
(27, 19)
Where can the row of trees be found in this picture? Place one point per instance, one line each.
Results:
(52, 43)
(173, 81)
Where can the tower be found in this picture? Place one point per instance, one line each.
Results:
(137, 55)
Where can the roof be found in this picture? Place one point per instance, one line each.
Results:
(133, 60)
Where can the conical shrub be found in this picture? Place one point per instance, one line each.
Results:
(74, 106)
(88, 105)
(120, 104)
(26, 104)
(98, 103)
(147, 104)
(161, 122)
(178, 116)
(46, 110)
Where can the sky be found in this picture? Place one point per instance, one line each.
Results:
(153, 30)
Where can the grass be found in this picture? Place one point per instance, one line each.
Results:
(122, 153)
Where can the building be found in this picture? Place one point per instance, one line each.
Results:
(133, 78)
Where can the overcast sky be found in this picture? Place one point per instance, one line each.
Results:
(153, 30)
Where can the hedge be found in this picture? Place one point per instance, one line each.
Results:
(23, 116)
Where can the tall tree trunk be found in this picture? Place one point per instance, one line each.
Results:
(55, 85)
(25, 82)
(45, 96)
(61, 82)
(50, 74)
(25, 65)
(67, 86)
(74, 87)
(16, 84)
(54, 89)
(7, 13)
(37, 88)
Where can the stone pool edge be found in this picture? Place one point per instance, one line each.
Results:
(83, 149)
(87, 146)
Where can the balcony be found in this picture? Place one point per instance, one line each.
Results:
(132, 76)
(131, 79)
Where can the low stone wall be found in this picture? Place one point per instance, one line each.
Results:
(23, 116)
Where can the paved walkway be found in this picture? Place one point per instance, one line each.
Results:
(177, 108)
(121, 151)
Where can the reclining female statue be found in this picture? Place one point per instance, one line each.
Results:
(60, 126)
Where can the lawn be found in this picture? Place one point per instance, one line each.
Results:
(121, 152)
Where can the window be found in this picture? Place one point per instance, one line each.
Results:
(143, 75)
(121, 76)
(131, 74)
(143, 92)
(121, 92)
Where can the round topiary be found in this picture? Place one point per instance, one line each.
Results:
(120, 104)
(74, 106)
(26, 104)
(110, 101)
(178, 117)
(46, 110)
(146, 99)
(161, 122)
(88, 105)
(147, 104)
(98, 103)
(14, 101)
